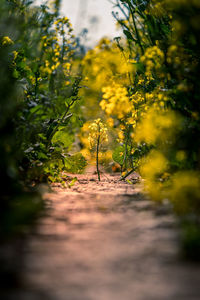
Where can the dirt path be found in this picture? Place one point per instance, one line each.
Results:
(104, 241)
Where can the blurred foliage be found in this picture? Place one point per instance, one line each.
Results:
(75, 164)
(40, 82)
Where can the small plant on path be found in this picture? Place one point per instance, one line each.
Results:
(97, 136)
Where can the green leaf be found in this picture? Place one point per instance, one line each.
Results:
(62, 137)
(118, 155)
(42, 155)
(130, 182)
(72, 182)
(35, 109)
(128, 35)
(75, 163)
(42, 136)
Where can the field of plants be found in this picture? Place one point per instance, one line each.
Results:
(129, 104)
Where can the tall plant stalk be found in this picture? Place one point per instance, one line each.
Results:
(97, 156)
(97, 136)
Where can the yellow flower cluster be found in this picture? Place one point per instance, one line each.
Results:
(153, 167)
(52, 51)
(137, 98)
(153, 59)
(66, 68)
(105, 156)
(173, 56)
(6, 41)
(157, 98)
(60, 22)
(105, 62)
(58, 49)
(98, 133)
(15, 54)
(120, 134)
(162, 185)
(116, 101)
(157, 126)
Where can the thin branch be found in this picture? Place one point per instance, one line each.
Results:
(126, 175)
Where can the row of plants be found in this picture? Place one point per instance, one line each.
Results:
(40, 106)
(148, 88)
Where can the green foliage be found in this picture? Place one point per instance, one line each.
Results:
(74, 180)
(139, 153)
(18, 208)
(128, 157)
(63, 138)
(75, 164)
(50, 91)
(39, 87)
(118, 155)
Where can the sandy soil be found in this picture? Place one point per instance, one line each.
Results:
(105, 241)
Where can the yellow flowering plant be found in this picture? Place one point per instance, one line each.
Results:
(97, 136)
(6, 41)
(165, 99)
(43, 59)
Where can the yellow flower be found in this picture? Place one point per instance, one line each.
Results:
(6, 41)
(67, 66)
(15, 53)
(157, 126)
(116, 101)
(153, 59)
(110, 122)
(98, 131)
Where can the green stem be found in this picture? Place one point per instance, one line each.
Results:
(60, 122)
(125, 154)
(36, 82)
(126, 175)
(63, 44)
(97, 157)
(136, 30)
